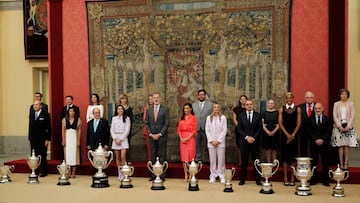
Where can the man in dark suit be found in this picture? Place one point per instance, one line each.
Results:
(249, 128)
(157, 123)
(320, 134)
(44, 107)
(307, 112)
(98, 131)
(69, 103)
(40, 134)
(202, 109)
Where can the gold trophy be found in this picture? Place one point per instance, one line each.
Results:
(157, 169)
(127, 171)
(303, 173)
(266, 172)
(63, 170)
(193, 168)
(229, 174)
(33, 162)
(338, 175)
(100, 161)
(5, 171)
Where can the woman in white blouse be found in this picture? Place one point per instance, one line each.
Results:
(216, 129)
(95, 103)
(120, 129)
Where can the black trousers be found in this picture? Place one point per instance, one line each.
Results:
(247, 150)
(322, 150)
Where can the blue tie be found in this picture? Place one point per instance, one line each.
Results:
(95, 124)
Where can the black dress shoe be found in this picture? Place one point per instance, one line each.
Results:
(258, 182)
(326, 184)
(242, 182)
(43, 175)
(152, 178)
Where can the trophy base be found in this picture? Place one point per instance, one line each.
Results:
(267, 191)
(228, 189)
(5, 180)
(100, 182)
(193, 188)
(303, 190)
(158, 187)
(63, 183)
(126, 184)
(33, 179)
(338, 192)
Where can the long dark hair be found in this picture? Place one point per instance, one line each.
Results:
(97, 99)
(183, 113)
(67, 113)
(124, 114)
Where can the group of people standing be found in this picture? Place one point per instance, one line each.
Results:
(202, 123)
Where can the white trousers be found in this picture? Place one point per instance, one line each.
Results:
(217, 162)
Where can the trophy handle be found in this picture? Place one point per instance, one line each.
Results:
(346, 175)
(331, 172)
(11, 167)
(131, 170)
(89, 157)
(313, 169)
(233, 171)
(277, 164)
(39, 157)
(200, 166)
(293, 168)
(256, 164)
(111, 158)
(165, 164)
(149, 165)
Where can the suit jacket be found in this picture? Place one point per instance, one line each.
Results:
(201, 115)
(161, 124)
(305, 120)
(102, 134)
(349, 117)
(321, 131)
(245, 128)
(39, 129)
(64, 111)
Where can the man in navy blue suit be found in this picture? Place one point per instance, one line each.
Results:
(249, 128)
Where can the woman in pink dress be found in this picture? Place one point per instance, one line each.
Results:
(187, 127)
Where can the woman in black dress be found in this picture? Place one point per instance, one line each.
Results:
(270, 132)
(289, 121)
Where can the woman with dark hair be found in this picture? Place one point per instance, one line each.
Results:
(71, 132)
(120, 129)
(236, 111)
(344, 135)
(95, 103)
(187, 129)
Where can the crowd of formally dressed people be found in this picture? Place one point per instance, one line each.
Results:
(291, 131)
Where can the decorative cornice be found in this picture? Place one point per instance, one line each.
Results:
(11, 5)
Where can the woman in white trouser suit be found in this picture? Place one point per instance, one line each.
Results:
(216, 129)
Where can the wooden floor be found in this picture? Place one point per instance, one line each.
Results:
(79, 191)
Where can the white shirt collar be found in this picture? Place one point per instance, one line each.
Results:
(291, 106)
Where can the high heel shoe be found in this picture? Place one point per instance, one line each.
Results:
(346, 167)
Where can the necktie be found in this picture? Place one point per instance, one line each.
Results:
(96, 122)
(249, 117)
(309, 110)
(36, 115)
(201, 106)
(156, 111)
(318, 122)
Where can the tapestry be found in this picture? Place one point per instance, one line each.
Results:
(228, 48)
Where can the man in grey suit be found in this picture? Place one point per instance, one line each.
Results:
(157, 123)
(202, 109)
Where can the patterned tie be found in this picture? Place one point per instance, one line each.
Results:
(156, 111)
(309, 111)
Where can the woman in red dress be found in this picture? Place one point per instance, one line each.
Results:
(187, 127)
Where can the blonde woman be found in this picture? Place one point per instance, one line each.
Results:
(215, 130)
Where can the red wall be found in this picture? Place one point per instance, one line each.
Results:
(309, 52)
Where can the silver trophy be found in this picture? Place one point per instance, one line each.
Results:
(266, 172)
(338, 175)
(303, 173)
(33, 162)
(63, 170)
(157, 169)
(5, 171)
(127, 171)
(193, 168)
(100, 161)
(229, 174)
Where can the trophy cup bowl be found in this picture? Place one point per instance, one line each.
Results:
(266, 172)
(193, 168)
(127, 171)
(33, 162)
(99, 160)
(229, 174)
(63, 170)
(5, 171)
(338, 175)
(303, 173)
(157, 169)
